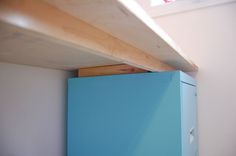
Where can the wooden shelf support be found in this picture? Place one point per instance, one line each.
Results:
(109, 70)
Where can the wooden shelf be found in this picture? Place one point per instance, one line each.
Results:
(73, 34)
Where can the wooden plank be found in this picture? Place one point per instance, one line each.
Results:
(20, 47)
(127, 20)
(109, 70)
(38, 17)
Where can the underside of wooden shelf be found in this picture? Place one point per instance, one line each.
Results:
(76, 34)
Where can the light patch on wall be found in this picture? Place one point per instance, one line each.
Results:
(160, 2)
(167, 7)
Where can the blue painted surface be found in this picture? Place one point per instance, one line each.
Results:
(125, 115)
(187, 79)
(189, 121)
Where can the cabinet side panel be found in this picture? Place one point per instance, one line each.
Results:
(189, 120)
(125, 115)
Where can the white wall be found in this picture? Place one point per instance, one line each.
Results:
(208, 36)
(32, 111)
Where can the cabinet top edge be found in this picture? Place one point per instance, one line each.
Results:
(183, 77)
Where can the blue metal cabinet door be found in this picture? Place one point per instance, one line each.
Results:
(125, 115)
(189, 120)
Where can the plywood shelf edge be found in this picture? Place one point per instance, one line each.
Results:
(50, 23)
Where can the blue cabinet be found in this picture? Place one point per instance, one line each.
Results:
(148, 114)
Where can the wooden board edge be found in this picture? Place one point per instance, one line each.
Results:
(134, 8)
(109, 70)
(63, 28)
